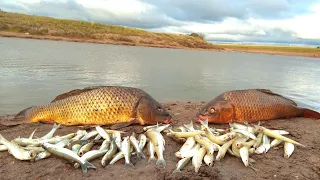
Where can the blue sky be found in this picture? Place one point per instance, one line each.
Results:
(289, 21)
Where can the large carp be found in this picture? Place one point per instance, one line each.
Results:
(99, 105)
(251, 105)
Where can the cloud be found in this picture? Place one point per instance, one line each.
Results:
(217, 10)
(292, 21)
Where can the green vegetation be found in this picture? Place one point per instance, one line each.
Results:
(201, 36)
(39, 27)
(46, 26)
(300, 49)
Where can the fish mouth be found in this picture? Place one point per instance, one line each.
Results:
(201, 117)
(168, 120)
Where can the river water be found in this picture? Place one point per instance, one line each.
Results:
(33, 72)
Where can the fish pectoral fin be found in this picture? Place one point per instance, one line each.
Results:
(47, 121)
(123, 124)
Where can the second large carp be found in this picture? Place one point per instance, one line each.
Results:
(99, 105)
(251, 105)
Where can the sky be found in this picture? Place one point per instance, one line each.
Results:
(271, 21)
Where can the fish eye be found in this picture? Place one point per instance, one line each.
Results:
(212, 110)
(160, 109)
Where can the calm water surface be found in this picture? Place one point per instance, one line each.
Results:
(33, 72)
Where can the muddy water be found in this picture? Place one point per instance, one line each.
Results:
(33, 72)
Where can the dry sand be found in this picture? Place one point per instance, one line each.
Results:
(303, 164)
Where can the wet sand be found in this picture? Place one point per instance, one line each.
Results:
(303, 164)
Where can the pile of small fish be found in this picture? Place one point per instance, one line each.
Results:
(77, 148)
(240, 140)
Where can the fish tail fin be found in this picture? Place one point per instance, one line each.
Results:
(84, 169)
(141, 155)
(204, 123)
(22, 115)
(129, 165)
(308, 113)
(176, 171)
(20, 118)
(56, 126)
(189, 126)
(2, 139)
(161, 162)
(151, 159)
(32, 134)
(87, 165)
(196, 169)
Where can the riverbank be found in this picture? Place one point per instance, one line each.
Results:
(274, 50)
(303, 164)
(40, 27)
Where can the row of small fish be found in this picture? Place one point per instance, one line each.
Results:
(240, 140)
(78, 148)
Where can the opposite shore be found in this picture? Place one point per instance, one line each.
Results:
(39, 27)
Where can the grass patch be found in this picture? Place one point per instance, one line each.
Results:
(46, 26)
(271, 48)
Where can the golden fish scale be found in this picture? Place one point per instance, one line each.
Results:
(255, 105)
(99, 106)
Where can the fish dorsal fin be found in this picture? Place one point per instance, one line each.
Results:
(75, 92)
(267, 91)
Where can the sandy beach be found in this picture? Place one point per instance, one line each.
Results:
(303, 164)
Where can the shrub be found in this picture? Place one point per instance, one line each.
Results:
(197, 35)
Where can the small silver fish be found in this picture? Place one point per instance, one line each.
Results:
(3, 148)
(68, 155)
(134, 142)
(190, 142)
(159, 143)
(223, 150)
(258, 140)
(117, 138)
(85, 148)
(181, 164)
(91, 155)
(103, 133)
(46, 154)
(208, 159)
(288, 149)
(78, 136)
(197, 158)
(245, 132)
(244, 154)
(105, 145)
(17, 151)
(75, 148)
(108, 156)
(53, 130)
(38, 142)
(189, 153)
(89, 135)
(151, 152)
(266, 143)
(142, 140)
(125, 149)
(275, 142)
